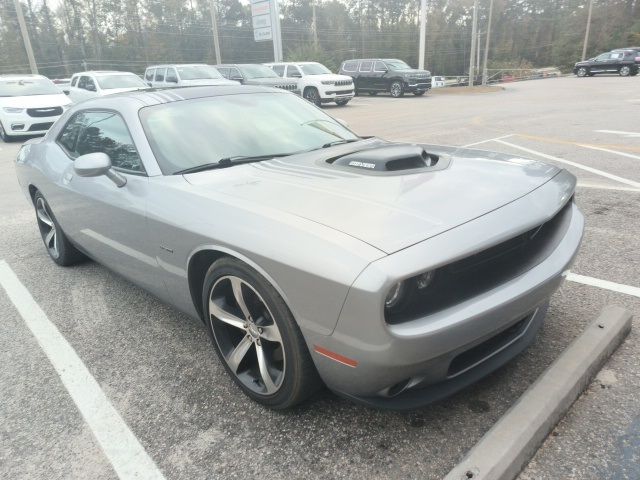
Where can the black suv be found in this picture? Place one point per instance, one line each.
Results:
(375, 75)
(621, 62)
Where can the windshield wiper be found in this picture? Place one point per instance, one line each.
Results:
(339, 142)
(229, 162)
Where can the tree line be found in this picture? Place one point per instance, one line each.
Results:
(73, 35)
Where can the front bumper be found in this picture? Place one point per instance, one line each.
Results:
(418, 361)
(331, 93)
(417, 85)
(24, 125)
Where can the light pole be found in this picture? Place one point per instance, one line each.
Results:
(214, 27)
(472, 52)
(423, 33)
(25, 37)
(586, 33)
(485, 73)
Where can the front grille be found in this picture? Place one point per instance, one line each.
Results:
(343, 83)
(38, 127)
(44, 112)
(483, 271)
(340, 92)
(290, 87)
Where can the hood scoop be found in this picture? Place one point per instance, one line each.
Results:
(392, 158)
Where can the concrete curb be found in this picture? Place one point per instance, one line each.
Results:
(507, 447)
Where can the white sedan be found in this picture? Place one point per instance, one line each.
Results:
(86, 85)
(29, 104)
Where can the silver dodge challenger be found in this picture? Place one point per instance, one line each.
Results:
(395, 274)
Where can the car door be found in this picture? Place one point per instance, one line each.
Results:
(601, 63)
(107, 221)
(379, 79)
(365, 79)
(82, 90)
(171, 77)
(158, 80)
(149, 76)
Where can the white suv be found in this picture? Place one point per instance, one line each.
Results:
(184, 75)
(316, 82)
(85, 85)
(29, 104)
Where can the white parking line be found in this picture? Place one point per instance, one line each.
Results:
(622, 154)
(618, 132)
(488, 140)
(128, 458)
(607, 187)
(596, 282)
(574, 164)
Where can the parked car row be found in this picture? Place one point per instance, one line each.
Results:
(623, 61)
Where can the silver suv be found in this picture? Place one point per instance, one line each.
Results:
(184, 75)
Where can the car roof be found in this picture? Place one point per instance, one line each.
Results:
(99, 73)
(289, 63)
(156, 96)
(374, 60)
(165, 65)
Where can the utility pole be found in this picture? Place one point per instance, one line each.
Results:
(477, 69)
(586, 33)
(423, 32)
(485, 73)
(315, 26)
(214, 28)
(472, 51)
(25, 37)
(276, 32)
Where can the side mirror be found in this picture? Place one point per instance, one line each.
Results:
(66, 92)
(95, 165)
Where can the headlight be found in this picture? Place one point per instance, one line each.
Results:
(328, 82)
(395, 295)
(13, 110)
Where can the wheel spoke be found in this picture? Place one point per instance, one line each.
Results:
(44, 218)
(224, 316)
(50, 236)
(236, 285)
(55, 241)
(238, 353)
(271, 333)
(264, 371)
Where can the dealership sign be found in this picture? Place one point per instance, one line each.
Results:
(261, 19)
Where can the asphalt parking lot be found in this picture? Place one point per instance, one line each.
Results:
(158, 370)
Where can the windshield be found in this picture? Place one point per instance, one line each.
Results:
(196, 132)
(314, 69)
(258, 71)
(397, 65)
(18, 87)
(197, 72)
(108, 82)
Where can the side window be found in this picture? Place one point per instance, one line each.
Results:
(602, 58)
(74, 81)
(617, 55)
(350, 66)
(224, 71)
(380, 67)
(172, 76)
(160, 74)
(148, 76)
(106, 132)
(69, 134)
(234, 73)
(279, 69)
(293, 72)
(366, 65)
(91, 86)
(82, 83)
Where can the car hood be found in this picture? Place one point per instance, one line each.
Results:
(270, 82)
(209, 81)
(35, 101)
(389, 212)
(332, 77)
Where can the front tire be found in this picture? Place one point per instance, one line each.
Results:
(624, 71)
(256, 336)
(396, 89)
(311, 94)
(59, 248)
(582, 72)
(3, 135)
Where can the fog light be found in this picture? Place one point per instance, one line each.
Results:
(17, 126)
(395, 295)
(424, 280)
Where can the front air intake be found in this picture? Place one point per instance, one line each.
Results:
(392, 158)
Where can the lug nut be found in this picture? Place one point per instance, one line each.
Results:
(260, 330)
(257, 341)
(245, 325)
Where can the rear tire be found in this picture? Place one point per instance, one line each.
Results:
(396, 89)
(256, 337)
(624, 71)
(60, 249)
